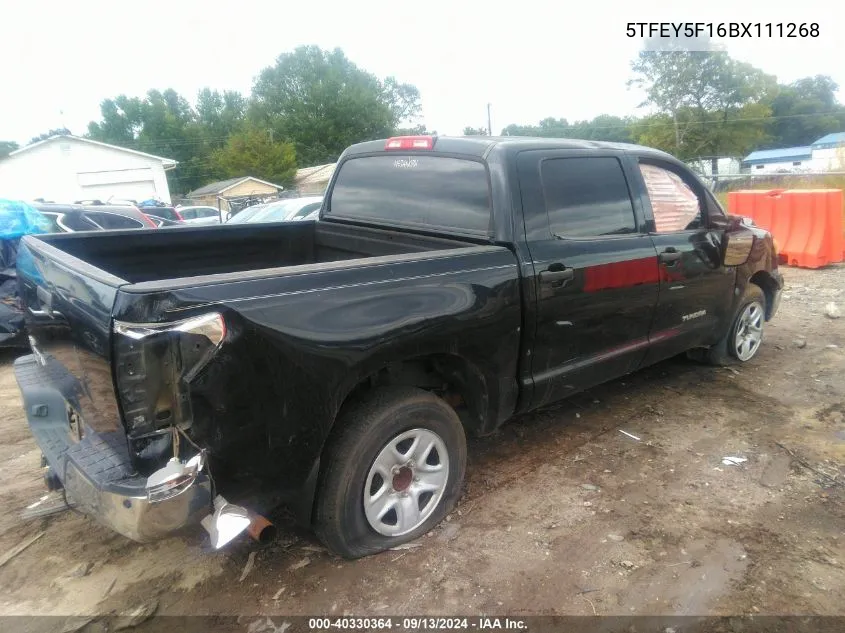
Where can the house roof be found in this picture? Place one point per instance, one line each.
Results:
(779, 155)
(830, 140)
(222, 185)
(166, 162)
(317, 173)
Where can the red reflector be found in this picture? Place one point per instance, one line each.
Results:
(410, 142)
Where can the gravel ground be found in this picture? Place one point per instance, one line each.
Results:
(563, 514)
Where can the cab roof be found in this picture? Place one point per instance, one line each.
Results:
(481, 145)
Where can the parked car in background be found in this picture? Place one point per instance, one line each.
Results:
(244, 215)
(199, 215)
(160, 211)
(168, 213)
(287, 210)
(164, 222)
(71, 218)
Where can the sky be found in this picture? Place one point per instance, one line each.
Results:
(528, 59)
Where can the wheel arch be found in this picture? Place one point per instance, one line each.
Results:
(479, 403)
(766, 282)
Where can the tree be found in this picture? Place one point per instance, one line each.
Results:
(475, 131)
(254, 152)
(714, 102)
(164, 123)
(604, 127)
(54, 132)
(416, 130)
(403, 100)
(6, 148)
(220, 114)
(804, 111)
(322, 102)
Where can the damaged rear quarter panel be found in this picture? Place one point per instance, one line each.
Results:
(297, 344)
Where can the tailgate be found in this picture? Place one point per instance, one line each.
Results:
(68, 305)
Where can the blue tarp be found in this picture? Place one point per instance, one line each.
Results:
(16, 220)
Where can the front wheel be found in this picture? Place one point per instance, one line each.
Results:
(747, 333)
(392, 470)
(742, 340)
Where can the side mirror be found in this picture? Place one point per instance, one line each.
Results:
(738, 243)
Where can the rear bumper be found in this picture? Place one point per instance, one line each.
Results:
(95, 469)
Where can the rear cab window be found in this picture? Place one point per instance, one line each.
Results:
(438, 192)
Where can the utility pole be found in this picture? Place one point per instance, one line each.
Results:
(489, 124)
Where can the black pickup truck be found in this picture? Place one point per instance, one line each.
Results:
(449, 284)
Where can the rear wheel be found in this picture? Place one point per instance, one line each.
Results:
(392, 470)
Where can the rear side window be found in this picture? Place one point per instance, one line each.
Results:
(114, 222)
(76, 222)
(587, 197)
(53, 218)
(436, 191)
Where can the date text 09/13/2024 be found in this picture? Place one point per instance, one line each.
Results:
(723, 29)
(417, 623)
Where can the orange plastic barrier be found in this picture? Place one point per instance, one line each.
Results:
(807, 223)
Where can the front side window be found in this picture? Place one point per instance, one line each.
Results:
(675, 206)
(587, 197)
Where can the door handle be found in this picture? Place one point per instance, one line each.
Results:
(556, 275)
(669, 256)
(50, 314)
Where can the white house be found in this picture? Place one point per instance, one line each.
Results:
(826, 154)
(725, 166)
(69, 168)
(829, 152)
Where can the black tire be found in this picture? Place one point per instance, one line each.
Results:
(723, 353)
(361, 432)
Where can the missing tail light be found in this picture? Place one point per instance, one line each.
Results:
(155, 364)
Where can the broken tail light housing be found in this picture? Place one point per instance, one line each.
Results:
(409, 142)
(155, 364)
(174, 479)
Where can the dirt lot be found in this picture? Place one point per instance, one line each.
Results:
(563, 513)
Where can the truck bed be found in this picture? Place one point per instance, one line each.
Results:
(143, 256)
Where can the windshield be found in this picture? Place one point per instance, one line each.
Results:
(275, 212)
(243, 216)
(419, 191)
(307, 210)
